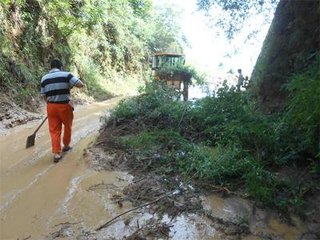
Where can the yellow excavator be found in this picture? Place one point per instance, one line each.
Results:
(177, 80)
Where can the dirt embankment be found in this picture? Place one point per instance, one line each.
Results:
(12, 115)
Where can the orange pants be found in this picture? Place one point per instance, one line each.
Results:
(59, 114)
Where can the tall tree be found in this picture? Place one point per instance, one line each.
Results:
(291, 45)
(167, 33)
(238, 11)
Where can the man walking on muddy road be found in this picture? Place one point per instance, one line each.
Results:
(55, 87)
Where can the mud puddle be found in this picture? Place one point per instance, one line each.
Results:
(261, 223)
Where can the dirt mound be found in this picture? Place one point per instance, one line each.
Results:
(81, 98)
(12, 115)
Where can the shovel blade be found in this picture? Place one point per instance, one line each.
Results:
(30, 140)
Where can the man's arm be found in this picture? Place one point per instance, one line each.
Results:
(75, 82)
(43, 97)
(79, 84)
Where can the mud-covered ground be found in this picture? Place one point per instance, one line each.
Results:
(38, 196)
(173, 207)
(150, 205)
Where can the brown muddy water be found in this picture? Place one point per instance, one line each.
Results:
(68, 200)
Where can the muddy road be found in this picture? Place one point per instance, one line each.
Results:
(35, 193)
(70, 200)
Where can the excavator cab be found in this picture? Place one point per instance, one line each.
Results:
(177, 81)
(171, 59)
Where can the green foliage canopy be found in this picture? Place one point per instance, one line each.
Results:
(141, 7)
(167, 33)
(238, 11)
(106, 43)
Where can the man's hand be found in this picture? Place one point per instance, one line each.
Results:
(72, 105)
(43, 97)
(79, 84)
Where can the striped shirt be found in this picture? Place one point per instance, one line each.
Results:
(56, 86)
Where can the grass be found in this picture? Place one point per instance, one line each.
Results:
(226, 140)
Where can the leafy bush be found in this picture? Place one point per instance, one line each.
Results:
(304, 109)
(106, 43)
(220, 164)
(156, 138)
(227, 140)
(260, 183)
(154, 96)
(179, 70)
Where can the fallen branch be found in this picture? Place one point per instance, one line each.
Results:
(217, 188)
(102, 186)
(221, 189)
(135, 208)
(66, 223)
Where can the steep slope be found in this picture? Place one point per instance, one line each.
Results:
(106, 43)
(290, 46)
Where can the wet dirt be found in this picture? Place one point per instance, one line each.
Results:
(91, 186)
(261, 223)
(12, 115)
(34, 191)
(189, 214)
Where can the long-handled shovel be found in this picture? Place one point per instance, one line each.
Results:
(31, 138)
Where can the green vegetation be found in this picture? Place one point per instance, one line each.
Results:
(304, 108)
(226, 140)
(185, 71)
(106, 43)
(238, 12)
